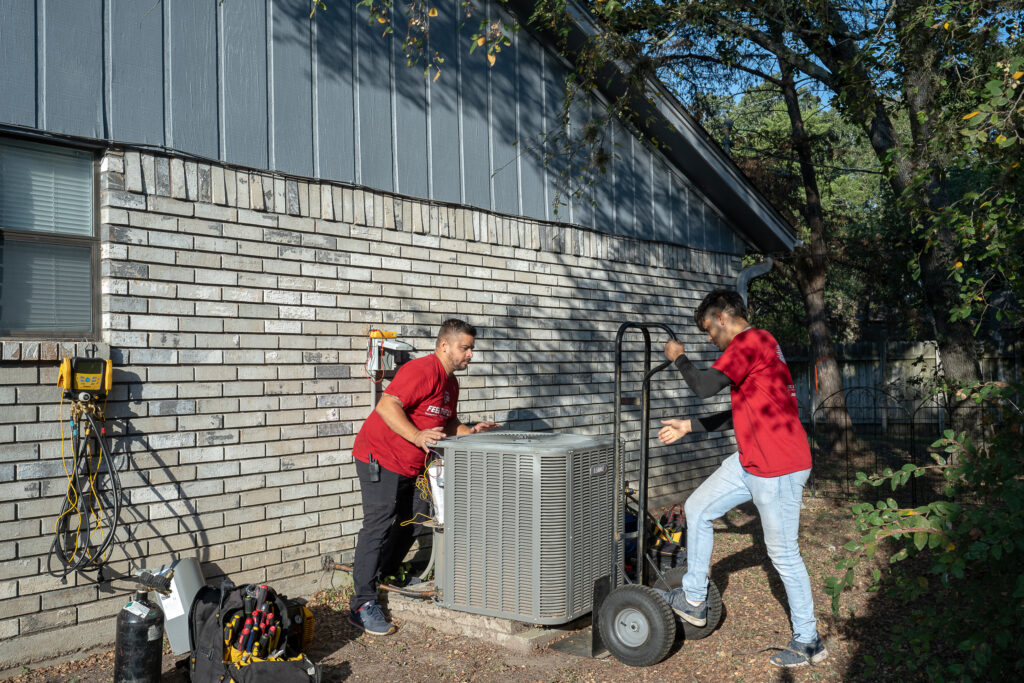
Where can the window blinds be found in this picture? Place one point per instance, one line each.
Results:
(45, 285)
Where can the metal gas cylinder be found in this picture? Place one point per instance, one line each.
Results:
(138, 653)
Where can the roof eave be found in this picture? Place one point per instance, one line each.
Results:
(687, 145)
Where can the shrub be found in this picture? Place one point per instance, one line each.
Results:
(964, 591)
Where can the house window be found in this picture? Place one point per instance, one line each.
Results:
(47, 240)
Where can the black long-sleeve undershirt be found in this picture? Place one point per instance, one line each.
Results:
(705, 383)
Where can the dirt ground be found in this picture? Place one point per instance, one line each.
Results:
(755, 618)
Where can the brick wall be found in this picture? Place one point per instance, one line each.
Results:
(235, 307)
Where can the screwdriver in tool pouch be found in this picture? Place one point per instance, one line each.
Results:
(231, 628)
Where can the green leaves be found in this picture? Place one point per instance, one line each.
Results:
(967, 550)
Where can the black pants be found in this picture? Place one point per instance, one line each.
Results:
(382, 542)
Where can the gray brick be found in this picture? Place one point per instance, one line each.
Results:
(153, 221)
(176, 207)
(332, 371)
(178, 188)
(122, 269)
(169, 240)
(153, 356)
(18, 606)
(125, 235)
(216, 277)
(200, 356)
(70, 596)
(172, 407)
(203, 179)
(155, 323)
(216, 213)
(191, 181)
(122, 199)
(46, 620)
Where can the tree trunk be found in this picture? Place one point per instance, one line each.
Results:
(958, 349)
(922, 79)
(809, 271)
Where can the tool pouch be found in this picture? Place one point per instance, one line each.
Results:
(669, 538)
(673, 525)
(215, 660)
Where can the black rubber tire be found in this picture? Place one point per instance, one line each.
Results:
(673, 578)
(637, 625)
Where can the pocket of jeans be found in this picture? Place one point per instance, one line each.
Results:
(798, 481)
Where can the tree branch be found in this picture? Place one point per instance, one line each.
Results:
(776, 48)
(717, 60)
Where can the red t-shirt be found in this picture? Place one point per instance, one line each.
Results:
(429, 396)
(764, 412)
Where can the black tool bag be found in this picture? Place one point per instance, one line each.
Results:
(213, 658)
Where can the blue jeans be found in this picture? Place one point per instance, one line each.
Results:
(778, 504)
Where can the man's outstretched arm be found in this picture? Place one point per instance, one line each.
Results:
(703, 383)
(677, 429)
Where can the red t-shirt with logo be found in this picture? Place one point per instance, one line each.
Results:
(429, 396)
(764, 412)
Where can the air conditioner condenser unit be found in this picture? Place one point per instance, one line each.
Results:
(528, 524)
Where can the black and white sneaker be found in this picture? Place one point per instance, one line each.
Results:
(800, 654)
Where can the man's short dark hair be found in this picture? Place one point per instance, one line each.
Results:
(453, 327)
(720, 301)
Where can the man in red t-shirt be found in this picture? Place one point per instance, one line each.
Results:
(771, 466)
(417, 409)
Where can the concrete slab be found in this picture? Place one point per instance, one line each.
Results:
(513, 635)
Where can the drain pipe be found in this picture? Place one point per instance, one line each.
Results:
(749, 273)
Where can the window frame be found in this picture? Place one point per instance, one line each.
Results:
(93, 242)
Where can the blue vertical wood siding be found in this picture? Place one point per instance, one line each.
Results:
(244, 56)
(261, 84)
(18, 40)
(531, 122)
(335, 93)
(411, 113)
(137, 72)
(445, 138)
(71, 37)
(374, 132)
(193, 73)
(292, 94)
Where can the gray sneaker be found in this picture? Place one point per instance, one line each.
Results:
(800, 654)
(694, 614)
(370, 618)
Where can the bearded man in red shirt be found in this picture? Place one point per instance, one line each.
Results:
(770, 467)
(416, 410)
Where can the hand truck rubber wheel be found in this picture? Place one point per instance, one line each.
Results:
(637, 626)
(673, 579)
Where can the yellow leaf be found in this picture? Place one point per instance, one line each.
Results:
(381, 20)
(971, 115)
(946, 26)
(1000, 138)
(1017, 75)
(432, 12)
(481, 40)
(958, 264)
(437, 75)
(490, 59)
(1015, 164)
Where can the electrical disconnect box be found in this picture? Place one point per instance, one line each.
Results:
(384, 355)
(386, 352)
